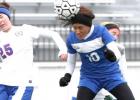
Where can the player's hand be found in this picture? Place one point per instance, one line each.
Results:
(65, 80)
(63, 57)
(110, 55)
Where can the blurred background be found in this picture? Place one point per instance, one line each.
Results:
(41, 13)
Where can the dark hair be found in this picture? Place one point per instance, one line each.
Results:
(5, 5)
(86, 11)
(84, 16)
(111, 25)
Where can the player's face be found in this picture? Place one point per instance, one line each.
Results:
(5, 23)
(81, 30)
(115, 32)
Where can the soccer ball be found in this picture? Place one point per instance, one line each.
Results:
(65, 9)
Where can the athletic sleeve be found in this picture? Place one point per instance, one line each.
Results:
(71, 62)
(35, 32)
(122, 61)
(58, 40)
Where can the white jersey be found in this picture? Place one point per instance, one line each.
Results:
(122, 61)
(16, 50)
(123, 68)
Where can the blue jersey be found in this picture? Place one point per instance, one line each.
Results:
(91, 50)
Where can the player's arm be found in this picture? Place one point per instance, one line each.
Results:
(112, 52)
(35, 32)
(59, 42)
(122, 61)
(71, 61)
(57, 39)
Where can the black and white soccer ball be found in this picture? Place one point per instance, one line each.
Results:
(65, 9)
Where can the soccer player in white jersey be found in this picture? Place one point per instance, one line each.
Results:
(99, 69)
(114, 29)
(17, 73)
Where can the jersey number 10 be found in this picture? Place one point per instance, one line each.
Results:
(93, 57)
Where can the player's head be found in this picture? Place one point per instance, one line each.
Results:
(82, 22)
(84, 16)
(5, 23)
(113, 28)
(4, 9)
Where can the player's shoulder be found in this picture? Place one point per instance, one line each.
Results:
(17, 28)
(32, 28)
(26, 26)
(71, 34)
(99, 28)
(71, 37)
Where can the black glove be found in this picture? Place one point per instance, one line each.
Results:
(65, 80)
(110, 55)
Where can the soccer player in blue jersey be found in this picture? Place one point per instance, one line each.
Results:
(99, 56)
(18, 76)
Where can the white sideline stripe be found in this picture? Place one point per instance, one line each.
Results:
(62, 64)
(131, 64)
(52, 64)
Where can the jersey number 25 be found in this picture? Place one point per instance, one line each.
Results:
(5, 51)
